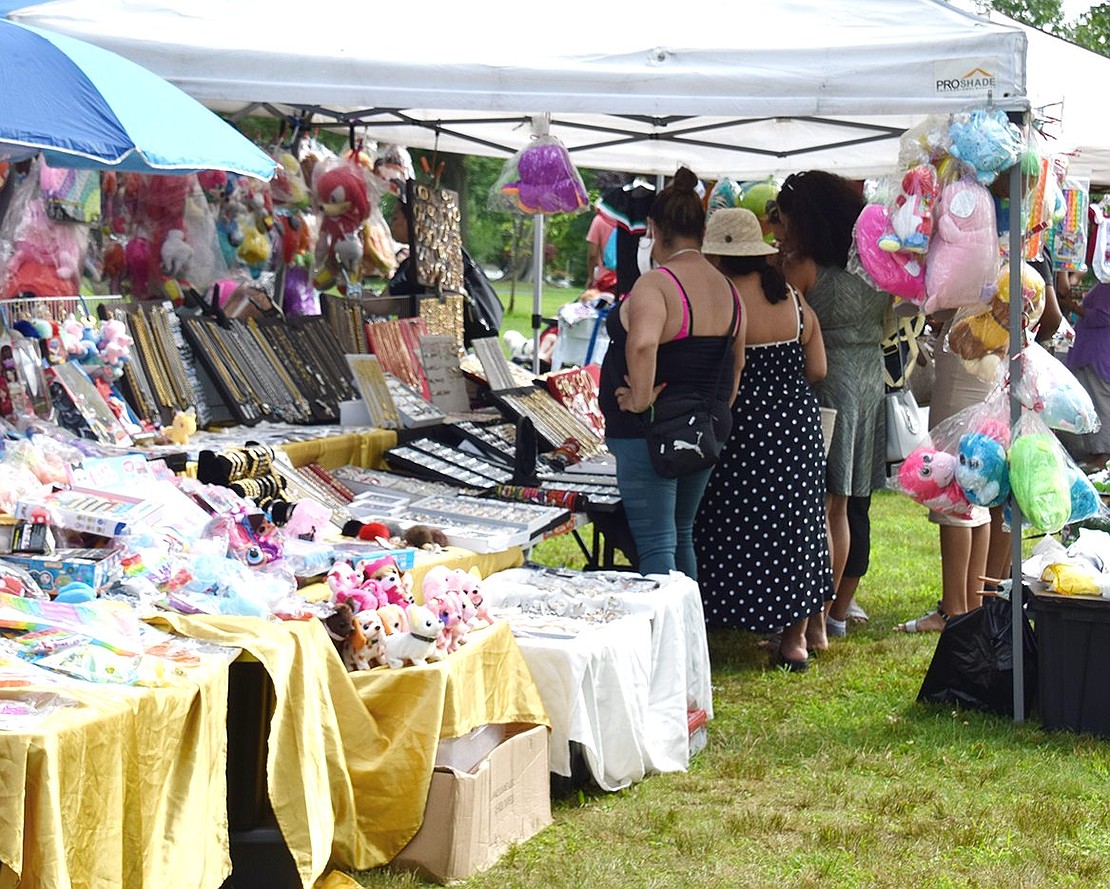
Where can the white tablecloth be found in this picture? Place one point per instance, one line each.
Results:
(621, 689)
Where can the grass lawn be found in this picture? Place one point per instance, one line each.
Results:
(837, 777)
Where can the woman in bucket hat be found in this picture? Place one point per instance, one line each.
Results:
(763, 558)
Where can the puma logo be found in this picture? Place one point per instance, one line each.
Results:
(694, 446)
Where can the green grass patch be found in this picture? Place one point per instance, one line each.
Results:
(837, 777)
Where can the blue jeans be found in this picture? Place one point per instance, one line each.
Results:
(660, 510)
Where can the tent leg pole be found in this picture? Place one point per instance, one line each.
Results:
(537, 288)
(1017, 616)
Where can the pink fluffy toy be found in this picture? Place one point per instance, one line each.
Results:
(929, 477)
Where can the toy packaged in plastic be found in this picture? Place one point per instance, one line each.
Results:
(924, 143)
(900, 273)
(963, 252)
(929, 474)
(985, 140)
(1039, 475)
(980, 335)
(1068, 238)
(910, 215)
(540, 178)
(1048, 388)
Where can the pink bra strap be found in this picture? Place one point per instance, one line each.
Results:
(684, 329)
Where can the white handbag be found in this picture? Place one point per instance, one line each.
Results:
(905, 425)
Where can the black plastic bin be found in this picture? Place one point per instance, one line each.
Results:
(1073, 636)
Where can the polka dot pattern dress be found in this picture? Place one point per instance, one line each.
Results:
(763, 556)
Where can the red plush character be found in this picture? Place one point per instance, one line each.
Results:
(341, 190)
(911, 216)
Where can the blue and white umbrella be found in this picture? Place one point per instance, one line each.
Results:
(86, 107)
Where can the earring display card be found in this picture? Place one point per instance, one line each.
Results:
(444, 315)
(415, 411)
(436, 236)
(372, 386)
(440, 356)
(396, 351)
(553, 422)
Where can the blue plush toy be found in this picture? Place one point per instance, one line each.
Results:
(1085, 501)
(982, 471)
(985, 139)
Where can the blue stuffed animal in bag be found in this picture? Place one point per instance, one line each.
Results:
(982, 471)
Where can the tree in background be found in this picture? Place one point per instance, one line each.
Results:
(1091, 30)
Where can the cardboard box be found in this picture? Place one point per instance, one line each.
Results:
(472, 818)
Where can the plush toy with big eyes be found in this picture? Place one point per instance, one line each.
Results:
(982, 471)
(547, 181)
(929, 477)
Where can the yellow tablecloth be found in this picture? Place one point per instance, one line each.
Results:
(127, 790)
(363, 448)
(349, 762)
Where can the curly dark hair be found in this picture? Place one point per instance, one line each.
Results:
(677, 210)
(822, 209)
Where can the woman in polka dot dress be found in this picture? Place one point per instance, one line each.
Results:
(763, 556)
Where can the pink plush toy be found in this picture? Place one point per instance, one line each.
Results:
(929, 477)
(445, 607)
(395, 586)
(901, 274)
(309, 518)
(471, 585)
(371, 653)
(911, 220)
(346, 588)
(963, 255)
(115, 344)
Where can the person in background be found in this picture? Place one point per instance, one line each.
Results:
(600, 276)
(817, 212)
(1089, 360)
(760, 538)
(670, 331)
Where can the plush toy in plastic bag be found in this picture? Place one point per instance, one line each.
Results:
(928, 476)
(924, 143)
(540, 179)
(1083, 496)
(755, 197)
(1039, 476)
(980, 335)
(963, 253)
(985, 139)
(910, 216)
(983, 471)
(343, 195)
(1051, 390)
(901, 274)
(725, 194)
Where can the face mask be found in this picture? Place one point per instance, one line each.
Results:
(643, 254)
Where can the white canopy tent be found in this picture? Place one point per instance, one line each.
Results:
(770, 89)
(744, 91)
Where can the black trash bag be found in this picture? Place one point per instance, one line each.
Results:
(973, 665)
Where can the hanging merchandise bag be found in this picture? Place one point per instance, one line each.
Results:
(540, 178)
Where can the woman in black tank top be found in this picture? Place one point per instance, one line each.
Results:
(670, 331)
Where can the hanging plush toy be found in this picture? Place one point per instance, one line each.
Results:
(981, 336)
(343, 196)
(985, 139)
(1084, 497)
(963, 254)
(911, 217)
(982, 471)
(1040, 481)
(541, 179)
(929, 477)
(901, 274)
